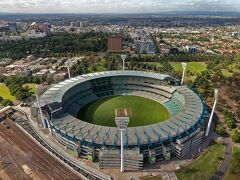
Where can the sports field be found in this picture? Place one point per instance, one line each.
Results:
(32, 87)
(194, 67)
(5, 93)
(142, 111)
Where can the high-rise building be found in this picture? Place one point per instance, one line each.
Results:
(46, 29)
(12, 26)
(19, 26)
(81, 24)
(144, 46)
(72, 24)
(115, 44)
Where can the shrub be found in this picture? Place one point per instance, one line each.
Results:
(229, 121)
(6, 102)
(220, 129)
(235, 136)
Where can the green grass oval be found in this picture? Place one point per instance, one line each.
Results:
(142, 111)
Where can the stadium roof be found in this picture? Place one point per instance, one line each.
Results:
(56, 92)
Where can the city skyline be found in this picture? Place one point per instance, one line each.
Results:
(116, 6)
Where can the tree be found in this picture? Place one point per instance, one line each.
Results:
(6, 102)
(220, 130)
(2, 78)
(66, 45)
(235, 136)
(229, 121)
(17, 88)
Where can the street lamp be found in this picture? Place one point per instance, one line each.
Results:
(184, 66)
(40, 109)
(211, 116)
(68, 64)
(123, 56)
(122, 123)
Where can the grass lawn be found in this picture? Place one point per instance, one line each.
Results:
(157, 64)
(194, 67)
(205, 166)
(141, 111)
(101, 68)
(234, 68)
(226, 73)
(32, 87)
(5, 93)
(192, 78)
(151, 178)
(229, 175)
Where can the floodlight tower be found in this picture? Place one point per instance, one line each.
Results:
(123, 56)
(184, 66)
(122, 123)
(68, 64)
(40, 109)
(211, 116)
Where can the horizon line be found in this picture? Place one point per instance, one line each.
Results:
(179, 11)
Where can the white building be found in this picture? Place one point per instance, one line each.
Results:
(145, 46)
(11, 38)
(191, 49)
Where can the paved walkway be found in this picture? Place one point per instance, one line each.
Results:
(222, 170)
(169, 176)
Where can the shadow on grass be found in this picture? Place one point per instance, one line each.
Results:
(220, 158)
(191, 170)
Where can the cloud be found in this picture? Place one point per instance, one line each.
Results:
(116, 6)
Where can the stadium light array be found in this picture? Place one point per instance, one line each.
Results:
(40, 109)
(211, 116)
(184, 66)
(123, 56)
(122, 123)
(68, 64)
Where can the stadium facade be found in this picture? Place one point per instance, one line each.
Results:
(177, 136)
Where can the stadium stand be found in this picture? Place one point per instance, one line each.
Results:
(156, 141)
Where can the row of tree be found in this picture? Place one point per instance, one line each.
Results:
(114, 62)
(174, 58)
(17, 87)
(146, 63)
(5, 102)
(49, 46)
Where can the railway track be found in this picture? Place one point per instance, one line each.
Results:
(50, 168)
(10, 161)
(84, 172)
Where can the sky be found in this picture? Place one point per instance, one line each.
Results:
(116, 6)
